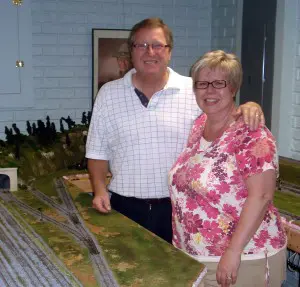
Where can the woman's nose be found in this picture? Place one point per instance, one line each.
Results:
(210, 88)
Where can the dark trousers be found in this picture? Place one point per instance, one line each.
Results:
(153, 214)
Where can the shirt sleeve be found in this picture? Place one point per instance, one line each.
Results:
(97, 140)
(255, 151)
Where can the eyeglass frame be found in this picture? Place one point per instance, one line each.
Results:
(210, 83)
(145, 46)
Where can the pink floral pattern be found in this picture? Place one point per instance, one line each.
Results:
(208, 190)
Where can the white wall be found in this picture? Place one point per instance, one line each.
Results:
(286, 88)
(62, 51)
(224, 25)
(226, 35)
(295, 146)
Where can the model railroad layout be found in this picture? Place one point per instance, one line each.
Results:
(20, 269)
(284, 186)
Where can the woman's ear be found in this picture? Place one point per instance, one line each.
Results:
(233, 91)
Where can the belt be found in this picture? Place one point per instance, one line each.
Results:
(145, 200)
(155, 200)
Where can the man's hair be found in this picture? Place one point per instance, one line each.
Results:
(227, 63)
(151, 23)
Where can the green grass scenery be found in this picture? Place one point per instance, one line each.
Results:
(137, 257)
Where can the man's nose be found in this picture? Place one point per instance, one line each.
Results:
(150, 50)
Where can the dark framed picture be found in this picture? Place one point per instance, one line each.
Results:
(111, 57)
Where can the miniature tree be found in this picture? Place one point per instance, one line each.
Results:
(16, 129)
(53, 132)
(17, 140)
(29, 128)
(70, 123)
(84, 118)
(89, 117)
(41, 127)
(34, 129)
(62, 129)
(48, 124)
(9, 135)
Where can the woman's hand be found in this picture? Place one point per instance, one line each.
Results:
(252, 114)
(228, 267)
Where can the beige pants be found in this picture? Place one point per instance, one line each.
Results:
(252, 272)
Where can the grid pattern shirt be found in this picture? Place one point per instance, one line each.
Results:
(141, 143)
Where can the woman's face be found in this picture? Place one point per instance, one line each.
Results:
(212, 100)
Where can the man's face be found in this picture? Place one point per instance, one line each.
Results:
(124, 64)
(148, 60)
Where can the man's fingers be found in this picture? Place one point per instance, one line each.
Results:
(262, 119)
(106, 204)
(102, 204)
(246, 114)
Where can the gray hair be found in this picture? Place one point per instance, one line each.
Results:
(227, 63)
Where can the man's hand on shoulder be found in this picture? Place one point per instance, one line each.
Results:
(101, 202)
(252, 114)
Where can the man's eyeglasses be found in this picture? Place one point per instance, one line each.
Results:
(202, 85)
(145, 46)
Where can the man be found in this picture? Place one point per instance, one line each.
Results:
(139, 126)
(123, 59)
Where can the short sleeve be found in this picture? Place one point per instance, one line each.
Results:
(255, 151)
(97, 143)
(196, 131)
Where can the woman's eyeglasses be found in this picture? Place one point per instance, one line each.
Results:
(202, 85)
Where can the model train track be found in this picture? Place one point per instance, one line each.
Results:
(41, 216)
(49, 201)
(287, 186)
(291, 215)
(65, 196)
(102, 272)
(25, 259)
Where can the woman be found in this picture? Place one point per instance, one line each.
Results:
(222, 186)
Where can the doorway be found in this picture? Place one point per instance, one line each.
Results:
(257, 55)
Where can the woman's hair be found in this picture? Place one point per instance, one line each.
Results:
(227, 63)
(151, 23)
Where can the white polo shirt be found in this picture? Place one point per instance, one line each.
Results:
(141, 143)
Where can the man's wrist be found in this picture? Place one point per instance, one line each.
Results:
(100, 192)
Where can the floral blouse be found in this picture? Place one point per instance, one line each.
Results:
(208, 190)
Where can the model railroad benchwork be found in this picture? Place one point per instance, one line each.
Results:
(51, 236)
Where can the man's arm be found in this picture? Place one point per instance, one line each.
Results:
(98, 170)
(252, 114)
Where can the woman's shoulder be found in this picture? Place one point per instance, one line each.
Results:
(242, 130)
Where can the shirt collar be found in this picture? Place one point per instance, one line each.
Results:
(175, 80)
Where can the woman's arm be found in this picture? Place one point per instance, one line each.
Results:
(260, 193)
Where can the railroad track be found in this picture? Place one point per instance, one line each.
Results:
(24, 261)
(287, 186)
(102, 271)
(291, 215)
